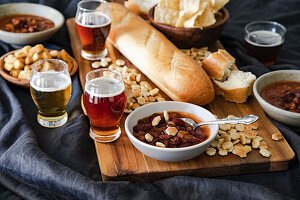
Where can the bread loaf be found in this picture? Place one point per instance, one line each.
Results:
(232, 84)
(175, 73)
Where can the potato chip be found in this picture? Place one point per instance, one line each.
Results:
(172, 4)
(190, 23)
(190, 6)
(206, 19)
(146, 5)
(218, 4)
(166, 15)
(181, 18)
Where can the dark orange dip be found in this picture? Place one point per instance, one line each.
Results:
(284, 95)
(183, 136)
(24, 23)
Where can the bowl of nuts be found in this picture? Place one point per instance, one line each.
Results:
(28, 23)
(15, 66)
(157, 131)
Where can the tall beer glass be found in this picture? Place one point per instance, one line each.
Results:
(50, 87)
(93, 25)
(104, 101)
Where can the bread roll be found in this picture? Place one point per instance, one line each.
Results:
(175, 73)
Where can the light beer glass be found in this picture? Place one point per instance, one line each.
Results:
(50, 88)
(104, 101)
(93, 25)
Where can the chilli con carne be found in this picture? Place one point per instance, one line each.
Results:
(284, 95)
(167, 130)
(24, 23)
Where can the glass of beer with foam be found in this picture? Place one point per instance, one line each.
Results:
(50, 88)
(93, 25)
(263, 40)
(104, 101)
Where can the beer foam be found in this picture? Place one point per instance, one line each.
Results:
(50, 81)
(262, 36)
(93, 18)
(104, 87)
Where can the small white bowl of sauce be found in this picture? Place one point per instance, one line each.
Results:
(278, 94)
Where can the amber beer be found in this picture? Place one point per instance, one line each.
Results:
(264, 46)
(104, 101)
(263, 40)
(93, 34)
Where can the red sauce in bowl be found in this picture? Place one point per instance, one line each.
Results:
(284, 95)
(23, 23)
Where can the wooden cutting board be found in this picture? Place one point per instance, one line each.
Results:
(120, 160)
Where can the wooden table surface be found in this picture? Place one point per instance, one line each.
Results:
(120, 160)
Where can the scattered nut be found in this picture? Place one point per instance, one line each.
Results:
(171, 131)
(263, 145)
(149, 137)
(240, 127)
(265, 152)
(211, 151)
(227, 145)
(223, 152)
(255, 144)
(160, 144)
(156, 121)
(166, 116)
(225, 127)
(120, 62)
(277, 136)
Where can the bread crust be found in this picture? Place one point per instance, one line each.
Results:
(215, 65)
(174, 72)
(237, 95)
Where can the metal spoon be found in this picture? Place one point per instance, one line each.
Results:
(238, 120)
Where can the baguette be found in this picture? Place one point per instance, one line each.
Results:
(232, 84)
(175, 73)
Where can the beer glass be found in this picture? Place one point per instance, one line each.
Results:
(263, 40)
(104, 101)
(93, 25)
(50, 88)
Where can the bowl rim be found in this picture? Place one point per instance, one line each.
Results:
(259, 98)
(58, 26)
(25, 83)
(140, 109)
(224, 20)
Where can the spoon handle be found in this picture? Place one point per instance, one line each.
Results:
(239, 120)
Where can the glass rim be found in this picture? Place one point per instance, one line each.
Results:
(105, 69)
(52, 59)
(265, 22)
(85, 1)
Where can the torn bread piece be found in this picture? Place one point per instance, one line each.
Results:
(237, 87)
(232, 84)
(218, 65)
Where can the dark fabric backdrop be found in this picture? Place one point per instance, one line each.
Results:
(41, 163)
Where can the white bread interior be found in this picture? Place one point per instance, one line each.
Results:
(237, 87)
(174, 72)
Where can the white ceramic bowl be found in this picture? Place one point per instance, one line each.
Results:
(31, 9)
(170, 154)
(286, 117)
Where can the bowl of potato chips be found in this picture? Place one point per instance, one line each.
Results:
(190, 23)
